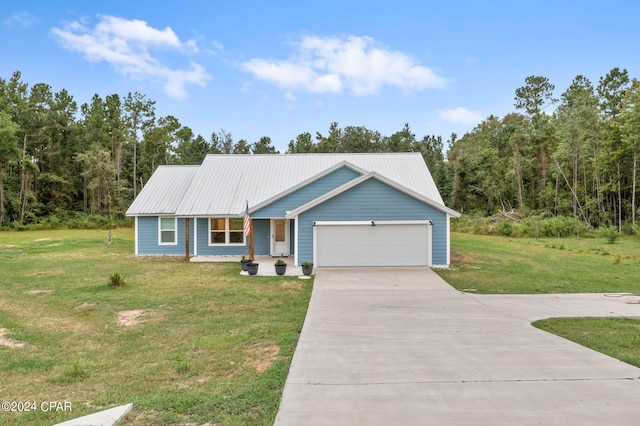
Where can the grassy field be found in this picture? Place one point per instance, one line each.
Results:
(490, 264)
(183, 342)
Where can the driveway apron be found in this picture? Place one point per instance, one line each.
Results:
(399, 346)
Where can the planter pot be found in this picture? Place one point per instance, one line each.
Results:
(281, 269)
(307, 269)
(244, 264)
(252, 268)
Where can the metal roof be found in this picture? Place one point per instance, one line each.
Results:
(223, 183)
(164, 191)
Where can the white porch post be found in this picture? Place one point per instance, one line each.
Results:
(295, 243)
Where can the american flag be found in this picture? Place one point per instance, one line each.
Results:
(247, 221)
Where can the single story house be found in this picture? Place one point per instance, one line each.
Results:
(330, 209)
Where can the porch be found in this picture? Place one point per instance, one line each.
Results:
(266, 264)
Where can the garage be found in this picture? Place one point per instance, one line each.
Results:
(373, 243)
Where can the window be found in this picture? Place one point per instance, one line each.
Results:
(218, 231)
(167, 231)
(226, 231)
(236, 230)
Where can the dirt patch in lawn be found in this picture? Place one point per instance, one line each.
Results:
(7, 246)
(40, 291)
(6, 341)
(292, 285)
(262, 358)
(129, 318)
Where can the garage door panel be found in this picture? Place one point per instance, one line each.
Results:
(366, 245)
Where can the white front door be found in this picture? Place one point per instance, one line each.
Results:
(280, 237)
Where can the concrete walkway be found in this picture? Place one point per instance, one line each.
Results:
(399, 346)
(109, 417)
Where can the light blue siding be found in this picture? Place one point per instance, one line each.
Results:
(307, 193)
(260, 238)
(373, 200)
(148, 238)
(261, 231)
(370, 200)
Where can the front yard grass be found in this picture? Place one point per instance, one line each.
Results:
(502, 265)
(184, 342)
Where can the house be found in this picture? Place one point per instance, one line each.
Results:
(329, 209)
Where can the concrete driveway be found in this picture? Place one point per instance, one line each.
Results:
(399, 346)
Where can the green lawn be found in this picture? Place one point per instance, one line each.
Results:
(490, 264)
(207, 346)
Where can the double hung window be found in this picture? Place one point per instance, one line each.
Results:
(167, 231)
(226, 231)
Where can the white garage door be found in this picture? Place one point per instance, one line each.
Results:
(388, 243)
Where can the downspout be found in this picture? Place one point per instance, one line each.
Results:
(448, 239)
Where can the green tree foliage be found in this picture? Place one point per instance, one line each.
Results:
(535, 95)
(302, 145)
(9, 153)
(263, 146)
(140, 117)
(190, 149)
(579, 161)
(99, 174)
(242, 147)
(577, 118)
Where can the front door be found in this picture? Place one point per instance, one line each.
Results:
(279, 237)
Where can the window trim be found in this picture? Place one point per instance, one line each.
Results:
(175, 231)
(227, 232)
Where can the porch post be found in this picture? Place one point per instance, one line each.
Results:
(186, 238)
(251, 257)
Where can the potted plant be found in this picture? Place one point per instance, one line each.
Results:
(281, 267)
(307, 268)
(244, 262)
(252, 268)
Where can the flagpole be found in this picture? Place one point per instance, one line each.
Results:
(248, 231)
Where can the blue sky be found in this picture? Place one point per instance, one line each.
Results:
(280, 68)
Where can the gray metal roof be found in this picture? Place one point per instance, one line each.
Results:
(222, 184)
(164, 191)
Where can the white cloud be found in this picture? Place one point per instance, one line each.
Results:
(332, 64)
(129, 46)
(460, 115)
(218, 45)
(21, 19)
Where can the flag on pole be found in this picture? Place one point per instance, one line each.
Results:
(247, 221)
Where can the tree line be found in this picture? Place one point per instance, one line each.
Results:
(58, 159)
(579, 160)
(575, 156)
